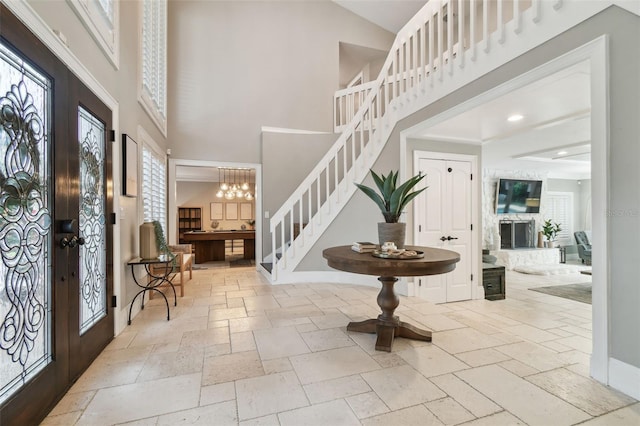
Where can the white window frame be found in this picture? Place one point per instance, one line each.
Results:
(565, 237)
(147, 143)
(105, 30)
(154, 99)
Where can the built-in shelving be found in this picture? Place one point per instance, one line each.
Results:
(189, 219)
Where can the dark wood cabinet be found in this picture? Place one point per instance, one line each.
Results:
(189, 219)
(493, 281)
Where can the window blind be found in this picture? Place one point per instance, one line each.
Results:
(154, 188)
(560, 210)
(154, 56)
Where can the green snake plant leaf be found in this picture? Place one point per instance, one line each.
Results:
(391, 199)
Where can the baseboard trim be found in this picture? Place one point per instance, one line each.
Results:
(624, 377)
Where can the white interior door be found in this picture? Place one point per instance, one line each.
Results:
(443, 219)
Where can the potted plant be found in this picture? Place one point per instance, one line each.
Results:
(251, 223)
(391, 200)
(550, 230)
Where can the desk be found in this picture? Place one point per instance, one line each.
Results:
(156, 279)
(209, 245)
(387, 325)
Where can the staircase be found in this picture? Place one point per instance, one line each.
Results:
(446, 45)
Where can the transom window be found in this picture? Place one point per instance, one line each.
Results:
(100, 17)
(153, 77)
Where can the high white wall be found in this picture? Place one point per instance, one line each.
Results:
(236, 66)
(122, 85)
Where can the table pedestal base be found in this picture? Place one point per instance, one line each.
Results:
(387, 326)
(386, 332)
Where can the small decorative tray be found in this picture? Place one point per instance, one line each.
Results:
(403, 255)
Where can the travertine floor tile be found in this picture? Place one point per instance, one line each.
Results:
(336, 388)
(226, 368)
(330, 338)
(526, 401)
(522, 360)
(431, 360)
(478, 404)
(217, 393)
(584, 393)
(331, 364)
(124, 403)
(329, 413)
(367, 405)
(417, 415)
(625, 416)
(222, 414)
(275, 343)
(533, 355)
(464, 340)
(260, 396)
(482, 357)
(500, 419)
(401, 387)
(449, 412)
(270, 420)
(73, 402)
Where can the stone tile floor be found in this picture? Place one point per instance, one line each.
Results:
(240, 351)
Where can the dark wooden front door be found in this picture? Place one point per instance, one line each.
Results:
(55, 240)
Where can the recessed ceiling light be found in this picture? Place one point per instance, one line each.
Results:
(515, 117)
(563, 153)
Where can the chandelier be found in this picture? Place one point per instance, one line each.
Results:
(233, 183)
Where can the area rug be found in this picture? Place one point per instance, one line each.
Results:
(241, 262)
(577, 292)
(557, 269)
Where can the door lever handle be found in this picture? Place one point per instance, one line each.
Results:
(443, 238)
(449, 238)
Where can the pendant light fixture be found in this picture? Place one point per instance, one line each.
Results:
(220, 192)
(223, 185)
(245, 185)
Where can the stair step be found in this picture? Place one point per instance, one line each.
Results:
(267, 266)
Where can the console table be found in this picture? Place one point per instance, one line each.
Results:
(387, 325)
(209, 245)
(156, 279)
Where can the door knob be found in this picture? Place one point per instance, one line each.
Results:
(72, 242)
(443, 238)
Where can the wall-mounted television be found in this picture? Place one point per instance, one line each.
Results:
(518, 196)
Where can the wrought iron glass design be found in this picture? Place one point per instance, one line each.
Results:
(93, 254)
(25, 222)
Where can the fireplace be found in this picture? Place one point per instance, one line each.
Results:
(515, 234)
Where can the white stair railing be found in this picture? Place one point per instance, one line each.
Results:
(424, 50)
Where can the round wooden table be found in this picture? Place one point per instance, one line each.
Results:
(387, 326)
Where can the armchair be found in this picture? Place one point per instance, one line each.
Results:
(184, 263)
(584, 246)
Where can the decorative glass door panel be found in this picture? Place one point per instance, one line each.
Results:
(92, 220)
(25, 223)
(56, 264)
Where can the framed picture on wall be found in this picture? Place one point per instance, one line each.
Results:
(129, 166)
(232, 211)
(246, 211)
(216, 211)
